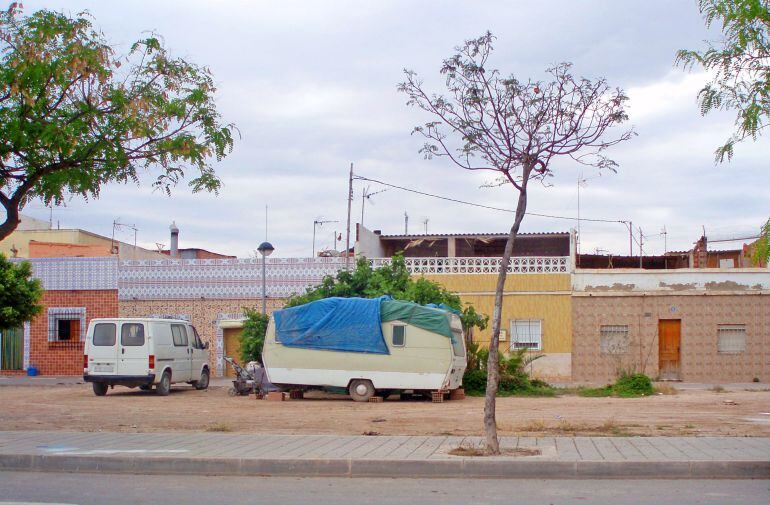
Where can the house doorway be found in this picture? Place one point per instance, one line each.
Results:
(232, 348)
(669, 347)
(12, 349)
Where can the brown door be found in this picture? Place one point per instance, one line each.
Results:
(669, 337)
(232, 348)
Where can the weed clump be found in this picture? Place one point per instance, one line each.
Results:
(627, 386)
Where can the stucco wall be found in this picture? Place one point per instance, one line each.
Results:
(699, 314)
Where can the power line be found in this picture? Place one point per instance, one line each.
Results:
(473, 204)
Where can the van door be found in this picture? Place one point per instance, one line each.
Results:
(199, 355)
(182, 353)
(102, 349)
(134, 350)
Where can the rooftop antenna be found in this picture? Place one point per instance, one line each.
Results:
(116, 224)
(319, 222)
(425, 223)
(367, 195)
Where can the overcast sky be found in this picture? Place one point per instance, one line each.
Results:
(312, 88)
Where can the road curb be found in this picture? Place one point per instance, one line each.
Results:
(445, 468)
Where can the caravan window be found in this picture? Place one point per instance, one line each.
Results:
(399, 336)
(457, 342)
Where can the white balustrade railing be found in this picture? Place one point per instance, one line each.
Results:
(519, 265)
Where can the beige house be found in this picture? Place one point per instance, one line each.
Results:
(694, 325)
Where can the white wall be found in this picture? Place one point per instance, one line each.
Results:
(677, 281)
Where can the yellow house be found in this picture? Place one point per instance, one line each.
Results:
(536, 312)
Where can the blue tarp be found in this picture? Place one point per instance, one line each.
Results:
(335, 324)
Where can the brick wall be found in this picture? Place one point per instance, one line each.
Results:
(700, 316)
(66, 358)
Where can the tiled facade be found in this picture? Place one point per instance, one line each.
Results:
(205, 315)
(700, 316)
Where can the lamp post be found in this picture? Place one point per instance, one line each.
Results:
(265, 249)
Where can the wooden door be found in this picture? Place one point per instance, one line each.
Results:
(669, 345)
(12, 349)
(232, 348)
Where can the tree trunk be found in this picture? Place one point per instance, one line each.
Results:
(493, 373)
(11, 218)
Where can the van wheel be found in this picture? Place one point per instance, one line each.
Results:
(164, 386)
(203, 382)
(361, 390)
(100, 388)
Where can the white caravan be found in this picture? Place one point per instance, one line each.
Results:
(418, 359)
(145, 353)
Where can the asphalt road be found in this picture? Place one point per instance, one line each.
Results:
(86, 489)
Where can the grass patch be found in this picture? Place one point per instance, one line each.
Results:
(219, 428)
(627, 386)
(564, 427)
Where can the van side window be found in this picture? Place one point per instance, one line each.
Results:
(132, 334)
(104, 334)
(399, 335)
(179, 334)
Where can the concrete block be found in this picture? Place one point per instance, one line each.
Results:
(730, 469)
(295, 467)
(438, 396)
(297, 394)
(633, 469)
(457, 394)
(275, 396)
(376, 399)
(406, 468)
(512, 469)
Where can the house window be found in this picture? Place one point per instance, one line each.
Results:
(179, 334)
(526, 334)
(66, 324)
(399, 336)
(731, 338)
(614, 339)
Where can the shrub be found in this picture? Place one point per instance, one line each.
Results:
(627, 386)
(514, 380)
(252, 338)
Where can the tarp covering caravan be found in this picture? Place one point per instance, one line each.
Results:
(433, 319)
(335, 324)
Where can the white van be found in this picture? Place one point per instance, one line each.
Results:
(144, 352)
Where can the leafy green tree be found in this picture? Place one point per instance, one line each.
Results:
(75, 115)
(740, 65)
(20, 293)
(514, 129)
(394, 280)
(761, 252)
(252, 338)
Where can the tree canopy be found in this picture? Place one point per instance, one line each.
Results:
(739, 65)
(75, 114)
(393, 280)
(20, 293)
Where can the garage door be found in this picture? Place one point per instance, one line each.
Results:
(232, 347)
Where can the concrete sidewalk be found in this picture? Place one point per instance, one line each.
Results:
(384, 456)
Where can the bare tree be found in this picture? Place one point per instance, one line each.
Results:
(514, 129)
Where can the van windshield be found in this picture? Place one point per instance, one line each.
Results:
(104, 334)
(132, 334)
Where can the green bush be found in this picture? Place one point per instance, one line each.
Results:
(514, 380)
(252, 338)
(627, 386)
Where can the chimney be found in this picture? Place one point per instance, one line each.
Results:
(174, 249)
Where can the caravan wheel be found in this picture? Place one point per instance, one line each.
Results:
(361, 390)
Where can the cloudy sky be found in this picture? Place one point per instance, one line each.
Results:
(312, 88)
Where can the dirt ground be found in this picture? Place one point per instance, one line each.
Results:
(75, 408)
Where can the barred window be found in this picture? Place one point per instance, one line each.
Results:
(66, 324)
(731, 338)
(614, 338)
(526, 334)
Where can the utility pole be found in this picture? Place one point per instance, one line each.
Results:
(425, 222)
(630, 238)
(641, 250)
(406, 223)
(350, 202)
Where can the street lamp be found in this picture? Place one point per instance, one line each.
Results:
(265, 249)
